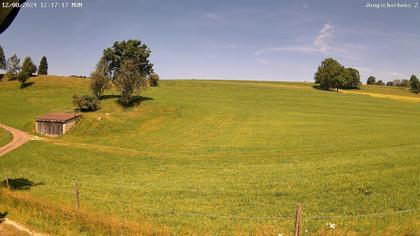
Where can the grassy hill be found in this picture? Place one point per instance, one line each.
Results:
(194, 153)
(4, 137)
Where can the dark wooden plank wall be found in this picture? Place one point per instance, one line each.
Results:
(50, 128)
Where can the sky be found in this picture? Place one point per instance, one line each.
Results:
(225, 39)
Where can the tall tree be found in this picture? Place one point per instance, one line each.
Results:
(371, 80)
(414, 84)
(132, 50)
(100, 79)
(28, 66)
(3, 64)
(43, 66)
(129, 80)
(349, 79)
(13, 67)
(328, 75)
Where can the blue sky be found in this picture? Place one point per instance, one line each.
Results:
(250, 40)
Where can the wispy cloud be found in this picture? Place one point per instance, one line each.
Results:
(321, 44)
(325, 35)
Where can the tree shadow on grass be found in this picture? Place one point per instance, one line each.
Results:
(109, 96)
(26, 85)
(135, 101)
(19, 184)
(317, 87)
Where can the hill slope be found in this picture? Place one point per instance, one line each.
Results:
(195, 151)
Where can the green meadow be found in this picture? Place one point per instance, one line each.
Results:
(4, 137)
(224, 157)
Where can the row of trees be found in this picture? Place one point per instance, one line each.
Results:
(15, 71)
(413, 83)
(372, 81)
(332, 75)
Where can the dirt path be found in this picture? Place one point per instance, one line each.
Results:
(9, 227)
(19, 138)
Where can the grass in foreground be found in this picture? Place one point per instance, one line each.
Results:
(5, 137)
(220, 148)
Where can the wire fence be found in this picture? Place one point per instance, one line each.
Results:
(220, 216)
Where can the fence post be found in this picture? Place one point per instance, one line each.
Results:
(76, 191)
(7, 183)
(298, 219)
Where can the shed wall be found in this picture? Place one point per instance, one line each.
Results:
(49, 128)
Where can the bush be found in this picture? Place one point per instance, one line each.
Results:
(86, 103)
(390, 83)
(380, 82)
(154, 79)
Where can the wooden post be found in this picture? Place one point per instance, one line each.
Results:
(76, 191)
(298, 223)
(7, 183)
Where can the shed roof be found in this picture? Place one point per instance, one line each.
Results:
(57, 117)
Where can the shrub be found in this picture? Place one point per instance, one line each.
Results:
(390, 83)
(380, 82)
(154, 79)
(86, 103)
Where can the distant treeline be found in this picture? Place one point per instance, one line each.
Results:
(413, 83)
(331, 75)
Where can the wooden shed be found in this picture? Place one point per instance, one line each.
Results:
(56, 124)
